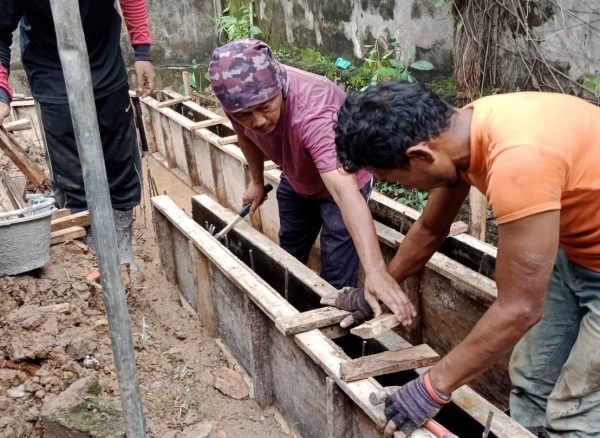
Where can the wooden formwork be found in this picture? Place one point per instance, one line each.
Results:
(451, 293)
(298, 369)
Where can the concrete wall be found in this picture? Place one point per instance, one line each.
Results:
(568, 38)
(181, 31)
(342, 27)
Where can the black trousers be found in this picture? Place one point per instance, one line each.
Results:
(119, 144)
(301, 219)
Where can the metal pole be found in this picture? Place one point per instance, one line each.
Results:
(75, 64)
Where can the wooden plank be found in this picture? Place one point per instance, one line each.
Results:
(466, 398)
(63, 212)
(65, 235)
(18, 156)
(170, 102)
(388, 362)
(186, 83)
(310, 320)
(339, 411)
(412, 289)
(207, 123)
(165, 127)
(178, 147)
(228, 140)
(81, 219)
(330, 357)
(13, 193)
(458, 228)
(478, 214)
(6, 202)
(17, 125)
(164, 241)
(376, 326)
(201, 272)
(257, 289)
(148, 128)
(258, 329)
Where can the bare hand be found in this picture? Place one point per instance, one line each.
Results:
(144, 75)
(4, 111)
(255, 194)
(380, 286)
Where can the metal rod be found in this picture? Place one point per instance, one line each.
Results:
(402, 222)
(488, 424)
(252, 260)
(76, 69)
(364, 348)
(286, 285)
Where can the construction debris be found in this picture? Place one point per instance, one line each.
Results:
(231, 383)
(15, 152)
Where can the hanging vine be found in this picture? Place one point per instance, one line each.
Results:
(498, 45)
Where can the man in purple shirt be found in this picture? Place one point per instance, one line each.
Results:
(289, 116)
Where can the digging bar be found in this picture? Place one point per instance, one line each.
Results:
(76, 69)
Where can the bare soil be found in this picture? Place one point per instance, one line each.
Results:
(53, 325)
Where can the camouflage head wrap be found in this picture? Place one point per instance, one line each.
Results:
(243, 74)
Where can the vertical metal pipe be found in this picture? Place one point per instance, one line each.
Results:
(76, 68)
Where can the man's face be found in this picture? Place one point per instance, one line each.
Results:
(262, 118)
(428, 170)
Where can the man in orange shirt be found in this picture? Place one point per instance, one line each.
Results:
(536, 156)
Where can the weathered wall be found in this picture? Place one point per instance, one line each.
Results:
(565, 34)
(181, 31)
(342, 27)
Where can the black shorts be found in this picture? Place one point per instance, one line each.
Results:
(119, 144)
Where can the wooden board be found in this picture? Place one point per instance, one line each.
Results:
(388, 362)
(65, 235)
(376, 326)
(81, 219)
(17, 125)
(478, 214)
(207, 123)
(170, 102)
(310, 320)
(18, 156)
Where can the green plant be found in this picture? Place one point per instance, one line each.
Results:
(237, 28)
(416, 199)
(591, 83)
(383, 60)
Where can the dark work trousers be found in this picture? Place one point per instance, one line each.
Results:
(301, 219)
(119, 144)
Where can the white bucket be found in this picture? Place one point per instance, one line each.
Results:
(25, 241)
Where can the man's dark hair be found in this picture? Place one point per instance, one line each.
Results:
(375, 127)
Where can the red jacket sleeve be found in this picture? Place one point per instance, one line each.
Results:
(12, 11)
(135, 14)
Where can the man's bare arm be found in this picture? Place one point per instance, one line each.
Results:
(526, 255)
(256, 163)
(359, 222)
(429, 231)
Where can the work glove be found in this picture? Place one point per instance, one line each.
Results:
(351, 299)
(412, 405)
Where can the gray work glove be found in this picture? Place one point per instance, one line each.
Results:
(351, 299)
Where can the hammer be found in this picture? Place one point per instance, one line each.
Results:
(376, 398)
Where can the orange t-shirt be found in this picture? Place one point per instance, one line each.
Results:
(533, 152)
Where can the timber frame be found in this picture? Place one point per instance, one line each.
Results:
(245, 308)
(451, 293)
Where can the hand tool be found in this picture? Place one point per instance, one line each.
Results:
(241, 214)
(376, 398)
(488, 425)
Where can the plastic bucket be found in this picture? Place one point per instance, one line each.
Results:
(25, 241)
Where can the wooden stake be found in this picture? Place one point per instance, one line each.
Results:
(186, 84)
(227, 140)
(388, 362)
(339, 412)
(258, 327)
(478, 214)
(15, 152)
